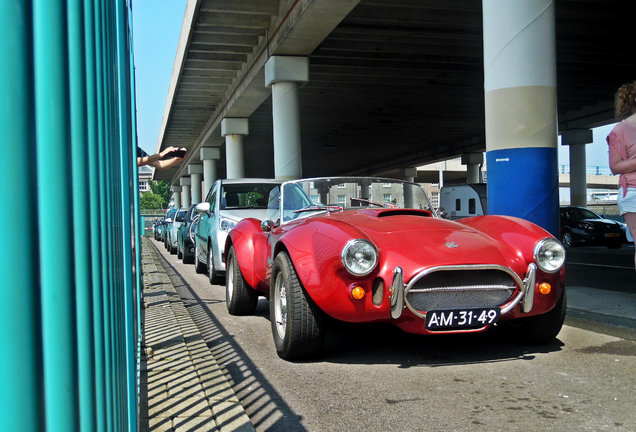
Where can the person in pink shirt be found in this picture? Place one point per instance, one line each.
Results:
(622, 153)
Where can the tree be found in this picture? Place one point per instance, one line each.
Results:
(151, 201)
(162, 189)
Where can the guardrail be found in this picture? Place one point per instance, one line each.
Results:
(70, 306)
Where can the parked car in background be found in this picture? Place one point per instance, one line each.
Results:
(582, 226)
(362, 249)
(179, 219)
(227, 203)
(157, 228)
(185, 236)
(167, 225)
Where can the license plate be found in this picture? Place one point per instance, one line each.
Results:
(612, 234)
(460, 318)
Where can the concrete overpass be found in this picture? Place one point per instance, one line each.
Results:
(389, 84)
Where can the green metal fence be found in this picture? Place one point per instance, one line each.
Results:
(70, 286)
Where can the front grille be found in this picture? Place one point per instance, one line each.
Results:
(461, 289)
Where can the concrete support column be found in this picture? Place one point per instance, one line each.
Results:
(473, 162)
(233, 130)
(176, 195)
(576, 139)
(520, 107)
(284, 74)
(209, 156)
(408, 174)
(185, 192)
(195, 171)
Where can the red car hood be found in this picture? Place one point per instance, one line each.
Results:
(414, 240)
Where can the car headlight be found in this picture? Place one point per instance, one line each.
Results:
(359, 257)
(549, 255)
(227, 224)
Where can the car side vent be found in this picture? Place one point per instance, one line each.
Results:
(405, 212)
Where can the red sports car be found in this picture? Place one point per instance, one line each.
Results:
(374, 250)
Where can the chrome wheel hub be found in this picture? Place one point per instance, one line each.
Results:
(280, 306)
(230, 279)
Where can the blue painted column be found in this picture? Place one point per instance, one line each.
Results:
(520, 107)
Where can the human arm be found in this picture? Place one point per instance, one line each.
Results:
(156, 161)
(618, 165)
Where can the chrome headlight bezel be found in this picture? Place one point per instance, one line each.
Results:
(226, 224)
(549, 254)
(352, 263)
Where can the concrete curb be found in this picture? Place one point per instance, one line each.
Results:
(182, 386)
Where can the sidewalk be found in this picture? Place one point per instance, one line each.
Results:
(182, 386)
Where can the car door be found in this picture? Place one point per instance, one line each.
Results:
(204, 227)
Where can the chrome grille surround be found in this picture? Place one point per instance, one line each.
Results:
(462, 287)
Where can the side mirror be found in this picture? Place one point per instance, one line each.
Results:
(267, 225)
(203, 207)
(168, 220)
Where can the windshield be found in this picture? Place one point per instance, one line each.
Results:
(579, 214)
(301, 198)
(245, 195)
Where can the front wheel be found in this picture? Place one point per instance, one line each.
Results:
(566, 239)
(297, 323)
(539, 329)
(213, 275)
(240, 298)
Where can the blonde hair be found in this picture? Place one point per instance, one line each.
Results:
(625, 99)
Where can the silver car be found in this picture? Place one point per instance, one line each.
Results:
(227, 203)
(173, 228)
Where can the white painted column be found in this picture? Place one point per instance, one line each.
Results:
(520, 110)
(176, 195)
(577, 139)
(284, 74)
(209, 156)
(185, 192)
(195, 171)
(473, 162)
(233, 130)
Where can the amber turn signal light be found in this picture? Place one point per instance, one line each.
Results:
(357, 293)
(545, 288)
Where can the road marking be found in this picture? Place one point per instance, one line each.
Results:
(600, 265)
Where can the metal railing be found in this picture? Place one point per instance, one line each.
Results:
(70, 267)
(589, 170)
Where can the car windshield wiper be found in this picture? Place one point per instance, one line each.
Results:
(329, 208)
(386, 204)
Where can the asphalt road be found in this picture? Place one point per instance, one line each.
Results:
(602, 268)
(377, 378)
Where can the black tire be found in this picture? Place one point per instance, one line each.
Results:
(213, 275)
(298, 325)
(199, 267)
(566, 239)
(536, 330)
(240, 298)
(186, 256)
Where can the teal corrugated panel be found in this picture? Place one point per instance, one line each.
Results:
(21, 402)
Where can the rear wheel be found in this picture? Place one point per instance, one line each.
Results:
(566, 239)
(297, 323)
(240, 298)
(536, 330)
(199, 267)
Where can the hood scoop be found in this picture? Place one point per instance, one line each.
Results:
(404, 212)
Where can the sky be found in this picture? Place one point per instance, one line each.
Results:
(156, 30)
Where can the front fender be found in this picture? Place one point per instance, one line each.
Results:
(522, 235)
(315, 248)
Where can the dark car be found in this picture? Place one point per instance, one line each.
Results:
(185, 241)
(158, 228)
(581, 226)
